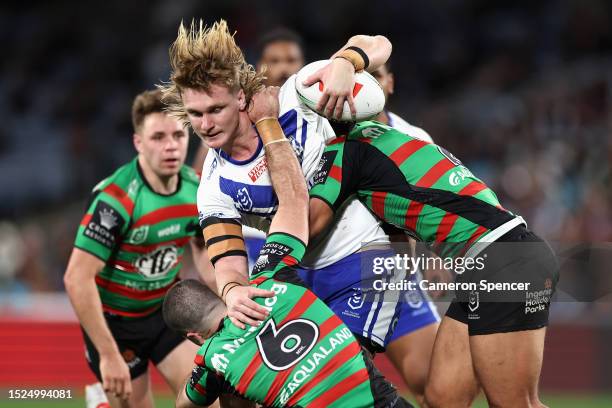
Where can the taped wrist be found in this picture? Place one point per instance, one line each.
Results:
(355, 56)
(270, 130)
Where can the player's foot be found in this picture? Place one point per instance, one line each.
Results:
(95, 396)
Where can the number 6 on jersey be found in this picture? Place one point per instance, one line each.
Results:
(283, 347)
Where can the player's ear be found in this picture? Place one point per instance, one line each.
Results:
(241, 100)
(195, 338)
(137, 139)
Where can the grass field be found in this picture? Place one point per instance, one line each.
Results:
(552, 400)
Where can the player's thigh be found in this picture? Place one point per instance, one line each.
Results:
(141, 396)
(452, 380)
(176, 366)
(508, 366)
(411, 355)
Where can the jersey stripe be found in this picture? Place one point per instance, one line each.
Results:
(378, 203)
(130, 292)
(122, 266)
(336, 173)
(338, 390)
(120, 195)
(259, 280)
(337, 361)
(337, 140)
(435, 173)
(473, 188)
(86, 219)
(143, 249)
(173, 211)
(412, 214)
(141, 313)
(406, 150)
(445, 226)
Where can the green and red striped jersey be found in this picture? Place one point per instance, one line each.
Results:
(301, 355)
(140, 235)
(414, 185)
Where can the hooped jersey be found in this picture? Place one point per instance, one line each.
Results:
(414, 185)
(140, 235)
(301, 355)
(242, 190)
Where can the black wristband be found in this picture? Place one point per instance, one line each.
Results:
(225, 286)
(366, 60)
(231, 287)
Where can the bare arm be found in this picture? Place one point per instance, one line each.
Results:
(377, 47)
(205, 269)
(320, 216)
(81, 288)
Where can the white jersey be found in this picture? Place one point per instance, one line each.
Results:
(242, 190)
(405, 127)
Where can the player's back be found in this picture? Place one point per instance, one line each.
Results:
(414, 185)
(302, 354)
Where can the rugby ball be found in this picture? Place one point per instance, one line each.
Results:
(368, 95)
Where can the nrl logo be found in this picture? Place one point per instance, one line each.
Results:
(474, 300)
(108, 220)
(245, 203)
(357, 300)
(139, 235)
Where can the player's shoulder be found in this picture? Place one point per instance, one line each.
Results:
(189, 177)
(400, 124)
(124, 185)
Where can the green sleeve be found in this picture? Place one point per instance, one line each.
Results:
(102, 227)
(204, 386)
(336, 173)
(280, 251)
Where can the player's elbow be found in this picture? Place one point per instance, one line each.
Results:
(70, 280)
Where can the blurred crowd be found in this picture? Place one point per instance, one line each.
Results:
(520, 91)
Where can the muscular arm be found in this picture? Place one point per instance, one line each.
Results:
(320, 216)
(205, 269)
(378, 49)
(81, 288)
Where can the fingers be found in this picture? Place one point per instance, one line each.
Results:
(323, 102)
(257, 292)
(312, 79)
(339, 108)
(351, 103)
(235, 320)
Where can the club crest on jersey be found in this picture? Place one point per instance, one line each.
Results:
(157, 264)
(243, 199)
(357, 300)
(139, 235)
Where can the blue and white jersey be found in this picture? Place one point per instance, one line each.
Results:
(242, 190)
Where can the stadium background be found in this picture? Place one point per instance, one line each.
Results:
(521, 91)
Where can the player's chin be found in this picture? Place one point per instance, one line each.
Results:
(215, 142)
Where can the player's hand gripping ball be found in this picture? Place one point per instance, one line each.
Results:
(368, 95)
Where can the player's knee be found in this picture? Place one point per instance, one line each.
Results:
(445, 395)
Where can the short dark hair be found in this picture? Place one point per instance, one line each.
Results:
(144, 104)
(187, 305)
(280, 34)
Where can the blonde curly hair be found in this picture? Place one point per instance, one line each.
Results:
(201, 56)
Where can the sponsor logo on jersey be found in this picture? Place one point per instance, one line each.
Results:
(139, 235)
(259, 169)
(156, 264)
(132, 188)
(105, 225)
(323, 168)
(373, 132)
(172, 229)
(456, 177)
(538, 300)
(130, 358)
